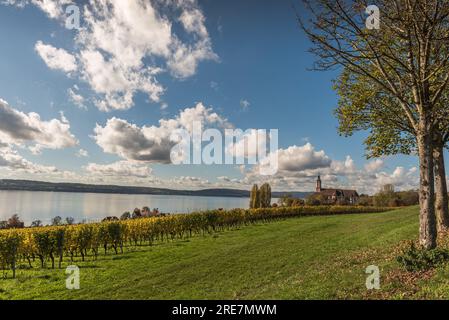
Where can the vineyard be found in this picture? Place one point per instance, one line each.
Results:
(51, 245)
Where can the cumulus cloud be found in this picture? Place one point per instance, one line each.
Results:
(190, 181)
(151, 143)
(21, 128)
(400, 177)
(82, 153)
(12, 161)
(120, 169)
(251, 145)
(299, 167)
(55, 58)
(302, 158)
(123, 46)
(76, 98)
(53, 8)
(374, 165)
(184, 59)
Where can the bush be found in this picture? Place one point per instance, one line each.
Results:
(287, 201)
(125, 216)
(365, 200)
(414, 258)
(137, 213)
(56, 221)
(14, 222)
(315, 200)
(396, 199)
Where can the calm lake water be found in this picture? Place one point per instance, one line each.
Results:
(44, 206)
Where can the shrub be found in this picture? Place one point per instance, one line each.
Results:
(36, 223)
(365, 200)
(56, 221)
(125, 216)
(137, 213)
(14, 222)
(288, 201)
(414, 258)
(315, 200)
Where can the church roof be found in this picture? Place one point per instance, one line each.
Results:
(339, 192)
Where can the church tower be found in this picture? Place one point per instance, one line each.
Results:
(318, 184)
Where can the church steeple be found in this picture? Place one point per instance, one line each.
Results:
(318, 184)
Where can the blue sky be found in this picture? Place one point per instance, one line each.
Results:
(247, 53)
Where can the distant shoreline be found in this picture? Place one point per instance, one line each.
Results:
(41, 186)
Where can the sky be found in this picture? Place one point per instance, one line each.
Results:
(98, 103)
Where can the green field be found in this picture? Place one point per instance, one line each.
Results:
(299, 258)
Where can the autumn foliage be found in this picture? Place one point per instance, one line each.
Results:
(51, 245)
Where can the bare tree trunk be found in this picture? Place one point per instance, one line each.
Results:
(441, 198)
(427, 219)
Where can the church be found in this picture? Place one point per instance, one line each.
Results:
(334, 196)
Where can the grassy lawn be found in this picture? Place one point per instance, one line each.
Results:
(299, 258)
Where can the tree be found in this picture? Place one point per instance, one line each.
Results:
(288, 201)
(441, 199)
(254, 201)
(137, 213)
(315, 200)
(14, 222)
(36, 223)
(145, 211)
(69, 220)
(110, 218)
(125, 216)
(408, 59)
(56, 221)
(265, 195)
(389, 131)
(365, 200)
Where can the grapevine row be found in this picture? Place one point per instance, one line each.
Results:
(53, 244)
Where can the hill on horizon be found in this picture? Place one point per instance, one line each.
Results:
(31, 185)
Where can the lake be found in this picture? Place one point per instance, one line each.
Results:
(31, 205)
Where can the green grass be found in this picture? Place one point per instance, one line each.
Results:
(299, 258)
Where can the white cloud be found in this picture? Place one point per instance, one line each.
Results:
(53, 8)
(12, 161)
(214, 85)
(28, 129)
(244, 104)
(400, 177)
(120, 169)
(151, 143)
(346, 167)
(249, 143)
(189, 181)
(124, 45)
(76, 98)
(82, 153)
(374, 165)
(302, 158)
(55, 58)
(299, 167)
